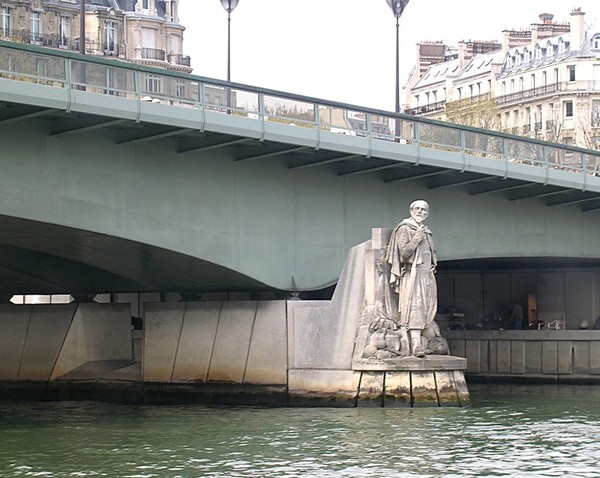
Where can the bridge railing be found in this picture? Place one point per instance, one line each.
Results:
(71, 71)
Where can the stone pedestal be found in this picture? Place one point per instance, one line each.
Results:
(433, 381)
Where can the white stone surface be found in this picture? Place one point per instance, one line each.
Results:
(322, 333)
(322, 382)
(267, 358)
(13, 332)
(196, 342)
(47, 331)
(97, 332)
(232, 342)
(162, 330)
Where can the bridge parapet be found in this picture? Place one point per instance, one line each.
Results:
(68, 81)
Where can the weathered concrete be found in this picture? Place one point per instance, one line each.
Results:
(267, 357)
(48, 327)
(97, 332)
(13, 333)
(196, 342)
(233, 341)
(543, 355)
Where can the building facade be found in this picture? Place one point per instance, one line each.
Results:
(541, 82)
(142, 31)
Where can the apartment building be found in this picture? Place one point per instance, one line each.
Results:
(142, 31)
(542, 81)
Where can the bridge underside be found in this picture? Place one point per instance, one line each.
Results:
(39, 258)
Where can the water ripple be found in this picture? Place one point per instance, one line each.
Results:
(510, 431)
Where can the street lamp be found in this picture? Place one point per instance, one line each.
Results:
(82, 27)
(397, 7)
(229, 6)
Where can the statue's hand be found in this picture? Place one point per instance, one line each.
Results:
(419, 235)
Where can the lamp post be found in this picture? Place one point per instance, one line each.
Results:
(229, 6)
(82, 27)
(397, 7)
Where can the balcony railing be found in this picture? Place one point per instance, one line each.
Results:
(154, 54)
(425, 109)
(534, 93)
(178, 59)
(51, 40)
(132, 88)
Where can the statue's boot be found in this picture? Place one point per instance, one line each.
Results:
(416, 347)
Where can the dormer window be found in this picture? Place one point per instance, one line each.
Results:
(539, 53)
(526, 55)
(517, 58)
(596, 42)
(562, 47)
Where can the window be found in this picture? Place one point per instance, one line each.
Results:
(571, 72)
(41, 67)
(152, 84)
(110, 82)
(145, 4)
(595, 119)
(5, 22)
(64, 30)
(173, 12)
(562, 48)
(109, 37)
(596, 42)
(539, 53)
(568, 109)
(180, 88)
(36, 32)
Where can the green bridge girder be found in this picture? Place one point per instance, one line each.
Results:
(104, 191)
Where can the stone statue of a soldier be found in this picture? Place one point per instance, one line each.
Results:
(412, 260)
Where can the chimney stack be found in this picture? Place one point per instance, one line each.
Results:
(577, 28)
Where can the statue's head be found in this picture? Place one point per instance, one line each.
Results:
(419, 211)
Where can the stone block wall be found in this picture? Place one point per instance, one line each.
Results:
(42, 342)
(242, 342)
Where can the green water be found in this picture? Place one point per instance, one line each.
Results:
(517, 431)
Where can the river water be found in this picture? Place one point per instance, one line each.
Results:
(510, 430)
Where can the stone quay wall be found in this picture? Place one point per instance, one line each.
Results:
(568, 356)
(242, 352)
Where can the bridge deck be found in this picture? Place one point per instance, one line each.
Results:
(82, 94)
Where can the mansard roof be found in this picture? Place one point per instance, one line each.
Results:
(438, 72)
(549, 50)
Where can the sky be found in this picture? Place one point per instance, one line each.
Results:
(345, 50)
